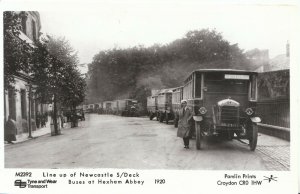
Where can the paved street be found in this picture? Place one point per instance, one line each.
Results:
(108, 141)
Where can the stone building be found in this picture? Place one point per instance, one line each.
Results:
(280, 62)
(18, 103)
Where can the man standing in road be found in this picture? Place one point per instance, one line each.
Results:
(184, 125)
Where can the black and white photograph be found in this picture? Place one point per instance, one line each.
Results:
(156, 86)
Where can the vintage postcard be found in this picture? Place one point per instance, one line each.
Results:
(149, 96)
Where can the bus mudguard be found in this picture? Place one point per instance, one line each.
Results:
(198, 118)
(255, 119)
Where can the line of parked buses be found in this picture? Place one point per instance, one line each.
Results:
(223, 103)
(124, 107)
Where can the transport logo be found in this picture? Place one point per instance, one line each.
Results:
(20, 183)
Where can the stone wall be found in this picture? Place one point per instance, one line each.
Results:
(273, 106)
(20, 122)
(274, 85)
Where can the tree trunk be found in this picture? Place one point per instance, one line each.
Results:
(75, 119)
(55, 115)
(5, 113)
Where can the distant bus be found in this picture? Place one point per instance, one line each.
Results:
(164, 105)
(152, 107)
(107, 107)
(177, 96)
(127, 107)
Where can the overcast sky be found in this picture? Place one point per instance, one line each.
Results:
(102, 26)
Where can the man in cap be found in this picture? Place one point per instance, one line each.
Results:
(184, 124)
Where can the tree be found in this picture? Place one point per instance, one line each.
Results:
(74, 88)
(17, 52)
(257, 58)
(50, 64)
(56, 74)
(132, 72)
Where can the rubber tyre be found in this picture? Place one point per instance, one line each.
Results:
(198, 135)
(176, 118)
(161, 117)
(253, 137)
(175, 123)
(151, 116)
(167, 118)
(230, 136)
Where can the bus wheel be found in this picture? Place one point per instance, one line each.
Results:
(167, 118)
(253, 135)
(175, 121)
(161, 117)
(230, 135)
(151, 116)
(198, 135)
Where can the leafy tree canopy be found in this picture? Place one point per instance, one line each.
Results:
(56, 73)
(132, 72)
(17, 52)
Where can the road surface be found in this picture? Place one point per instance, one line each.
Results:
(109, 141)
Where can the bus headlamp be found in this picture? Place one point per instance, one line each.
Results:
(249, 111)
(202, 110)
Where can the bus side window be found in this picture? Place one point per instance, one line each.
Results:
(253, 89)
(198, 86)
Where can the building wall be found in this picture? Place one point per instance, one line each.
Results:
(22, 120)
(22, 124)
(279, 62)
(32, 25)
(32, 18)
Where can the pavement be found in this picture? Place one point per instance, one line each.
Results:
(108, 141)
(274, 151)
(35, 134)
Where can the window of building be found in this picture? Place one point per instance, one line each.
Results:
(34, 37)
(23, 104)
(24, 19)
(12, 103)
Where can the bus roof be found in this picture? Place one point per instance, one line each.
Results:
(167, 90)
(221, 70)
(128, 99)
(174, 89)
(224, 71)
